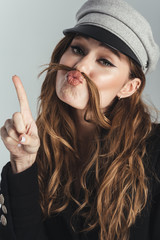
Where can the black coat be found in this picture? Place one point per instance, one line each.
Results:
(21, 217)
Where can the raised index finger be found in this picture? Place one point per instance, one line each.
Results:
(22, 97)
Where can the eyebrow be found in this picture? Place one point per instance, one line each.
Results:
(114, 51)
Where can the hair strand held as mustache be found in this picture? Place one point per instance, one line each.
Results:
(93, 112)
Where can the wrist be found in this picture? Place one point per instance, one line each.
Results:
(19, 165)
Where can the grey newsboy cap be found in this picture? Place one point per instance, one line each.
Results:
(117, 24)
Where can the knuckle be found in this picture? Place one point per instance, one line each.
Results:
(20, 128)
(2, 130)
(7, 139)
(16, 115)
(18, 122)
(7, 122)
(10, 131)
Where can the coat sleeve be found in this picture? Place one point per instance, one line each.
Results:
(20, 214)
(155, 207)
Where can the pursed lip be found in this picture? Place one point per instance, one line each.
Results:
(74, 78)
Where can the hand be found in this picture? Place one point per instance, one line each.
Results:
(20, 134)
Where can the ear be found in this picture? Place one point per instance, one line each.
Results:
(129, 88)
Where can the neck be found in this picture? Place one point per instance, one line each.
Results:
(85, 129)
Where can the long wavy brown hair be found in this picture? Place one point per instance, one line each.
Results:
(113, 182)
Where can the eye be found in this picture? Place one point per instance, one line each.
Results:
(77, 50)
(106, 63)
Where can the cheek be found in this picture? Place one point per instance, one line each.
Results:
(61, 73)
(60, 78)
(108, 86)
(112, 82)
(63, 59)
(66, 59)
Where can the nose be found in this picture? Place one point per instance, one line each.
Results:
(85, 65)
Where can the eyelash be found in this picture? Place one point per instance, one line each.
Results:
(106, 63)
(79, 51)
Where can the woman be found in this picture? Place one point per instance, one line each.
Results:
(88, 168)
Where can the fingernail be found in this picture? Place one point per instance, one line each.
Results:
(19, 145)
(23, 139)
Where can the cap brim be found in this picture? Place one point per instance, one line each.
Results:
(105, 37)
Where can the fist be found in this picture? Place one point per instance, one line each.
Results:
(20, 134)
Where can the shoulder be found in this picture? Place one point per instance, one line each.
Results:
(155, 132)
(153, 143)
(153, 158)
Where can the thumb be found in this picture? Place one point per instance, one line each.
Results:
(29, 140)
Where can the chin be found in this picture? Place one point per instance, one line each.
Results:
(73, 103)
(76, 99)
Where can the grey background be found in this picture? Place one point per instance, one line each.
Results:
(29, 30)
